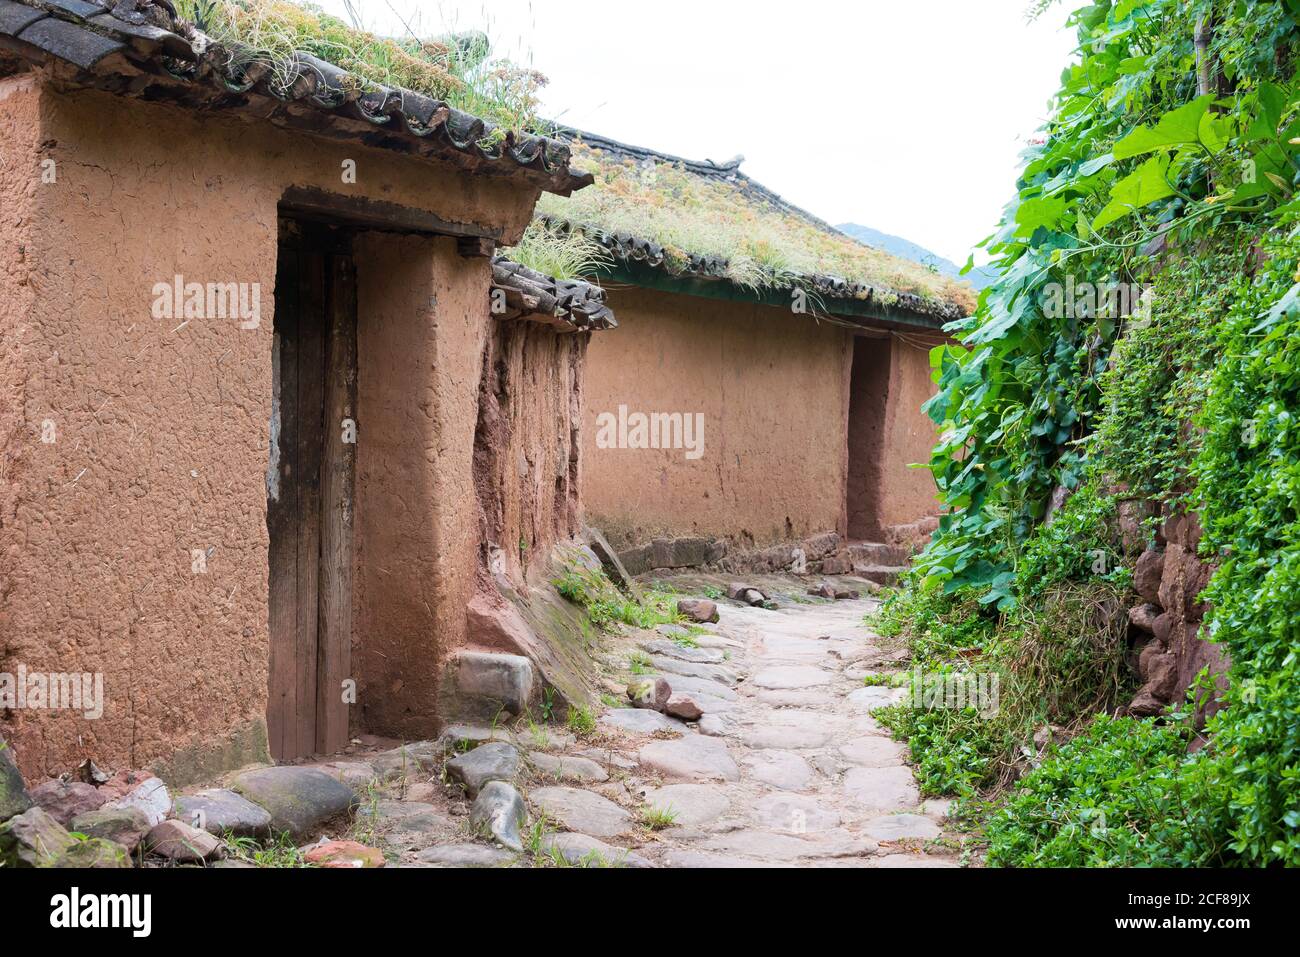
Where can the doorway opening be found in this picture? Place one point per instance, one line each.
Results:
(311, 487)
(868, 398)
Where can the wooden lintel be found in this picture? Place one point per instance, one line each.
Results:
(310, 203)
(475, 247)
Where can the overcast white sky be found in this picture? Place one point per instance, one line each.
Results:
(904, 115)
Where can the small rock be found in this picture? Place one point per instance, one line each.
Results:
(466, 855)
(583, 811)
(33, 839)
(125, 826)
(566, 767)
(90, 773)
(96, 853)
(14, 798)
(177, 841)
(494, 761)
(298, 798)
(1143, 617)
(650, 693)
(345, 854)
(219, 811)
(500, 811)
(681, 706)
(846, 594)
(754, 597)
(736, 589)
(824, 590)
(150, 795)
(582, 850)
(698, 609)
(64, 800)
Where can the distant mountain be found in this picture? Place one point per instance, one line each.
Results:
(979, 277)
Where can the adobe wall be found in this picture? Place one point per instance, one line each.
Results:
(162, 426)
(775, 392)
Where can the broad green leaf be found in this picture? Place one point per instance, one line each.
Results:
(1175, 128)
(1145, 185)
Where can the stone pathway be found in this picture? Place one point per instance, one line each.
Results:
(788, 768)
(785, 767)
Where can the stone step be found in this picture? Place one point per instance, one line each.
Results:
(879, 553)
(880, 574)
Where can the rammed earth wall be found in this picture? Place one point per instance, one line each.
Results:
(161, 426)
(773, 391)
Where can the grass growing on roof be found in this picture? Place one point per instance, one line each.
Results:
(560, 255)
(455, 67)
(765, 247)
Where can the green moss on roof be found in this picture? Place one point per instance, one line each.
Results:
(453, 68)
(766, 244)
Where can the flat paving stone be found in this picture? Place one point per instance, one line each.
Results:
(874, 752)
(797, 698)
(881, 789)
(913, 860)
(405, 824)
(467, 855)
(900, 827)
(779, 769)
(795, 814)
(640, 721)
(583, 811)
(568, 767)
(687, 669)
(583, 850)
(767, 845)
(700, 688)
(670, 649)
(694, 804)
(784, 738)
(870, 698)
(706, 859)
(694, 757)
(789, 677)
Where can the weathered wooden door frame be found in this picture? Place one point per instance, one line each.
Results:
(311, 491)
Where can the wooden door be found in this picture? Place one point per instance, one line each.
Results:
(310, 491)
